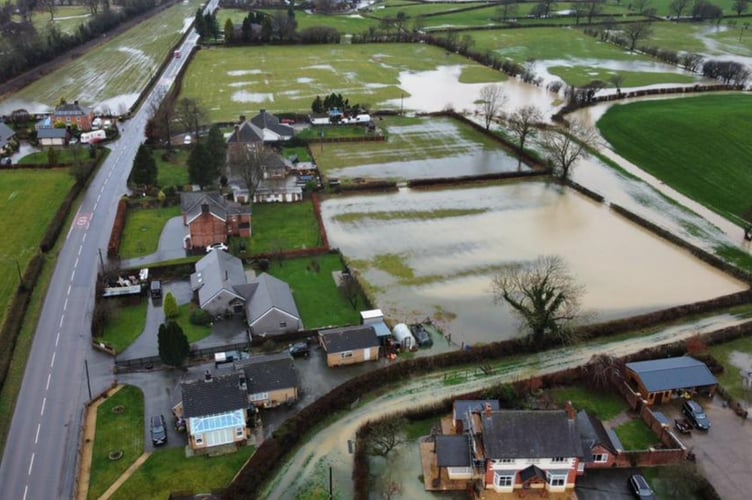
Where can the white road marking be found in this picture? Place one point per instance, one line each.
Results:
(31, 463)
(65, 304)
(80, 248)
(69, 289)
(44, 402)
(83, 240)
(61, 321)
(52, 363)
(73, 275)
(76, 264)
(49, 377)
(36, 438)
(99, 196)
(26, 491)
(57, 339)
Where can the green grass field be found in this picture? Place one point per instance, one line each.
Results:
(604, 405)
(409, 138)
(582, 75)
(116, 431)
(125, 325)
(246, 79)
(319, 301)
(67, 18)
(168, 471)
(121, 67)
(698, 145)
(287, 226)
(173, 171)
(636, 435)
(20, 193)
(143, 227)
(732, 377)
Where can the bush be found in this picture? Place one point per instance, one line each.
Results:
(200, 317)
(170, 306)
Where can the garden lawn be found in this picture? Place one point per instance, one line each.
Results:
(125, 324)
(20, 193)
(604, 405)
(246, 79)
(194, 333)
(301, 152)
(65, 156)
(143, 227)
(173, 171)
(699, 146)
(319, 301)
(731, 355)
(67, 18)
(119, 68)
(284, 226)
(117, 431)
(168, 471)
(409, 139)
(636, 435)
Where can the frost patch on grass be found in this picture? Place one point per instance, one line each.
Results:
(244, 96)
(243, 72)
(305, 79)
(741, 360)
(328, 67)
(240, 84)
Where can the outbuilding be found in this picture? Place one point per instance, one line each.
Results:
(349, 345)
(661, 380)
(403, 336)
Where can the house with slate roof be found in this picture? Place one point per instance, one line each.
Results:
(661, 380)
(215, 280)
(246, 136)
(462, 411)
(215, 410)
(270, 306)
(349, 345)
(73, 114)
(600, 447)
(271, 380)
(6, 136)
(211, 218)
(271, 128)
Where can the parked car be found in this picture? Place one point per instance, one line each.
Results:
(683, 426)
(696, 415)
(158, 430)
(216, 246)
(299, 350)
(187, 139)
(421, 335)
(640, 487)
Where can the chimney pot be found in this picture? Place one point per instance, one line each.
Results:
(571, 413)
(487, 409)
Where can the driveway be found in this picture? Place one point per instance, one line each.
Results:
(605, 484)
(170, 246)
(724, 454)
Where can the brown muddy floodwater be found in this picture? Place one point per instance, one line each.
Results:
(437, 255)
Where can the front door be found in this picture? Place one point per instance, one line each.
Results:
(367, 354)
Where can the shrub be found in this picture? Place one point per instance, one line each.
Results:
(170, 306)
(200, 317)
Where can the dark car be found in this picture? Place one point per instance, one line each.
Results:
(640, 487)
(696, 415)
(421, 335)
(299, 350)
(158, 430)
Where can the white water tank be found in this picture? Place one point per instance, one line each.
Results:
(403, 336)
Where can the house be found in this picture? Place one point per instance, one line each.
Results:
(215, 410)
(272, 129)
(271, 380)
(661, 380)
(349, 345)
(6, 136)
(73, 115)
(527, 449)
(600, 447)
(215, 280)
(211, 218)
(270, 306)
(52, 136)
(246, 136)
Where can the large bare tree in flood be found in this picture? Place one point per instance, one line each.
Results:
(543, 294)
(492, 98)
(566, 147)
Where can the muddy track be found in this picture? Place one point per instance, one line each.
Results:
(24, 79)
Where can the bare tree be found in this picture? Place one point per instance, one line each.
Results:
(522, 123)
(636, 32)
(617, 80)
(492, 99)
(691, 61)
(740, 6)
(505, 10)
(161, 114)
(349, 288)
(543, 294)
(677, 7)
(385, 436)
(388, 487)
(191, 114)
(566, 147)
(603, 371)
(594, 7)
(252, 167)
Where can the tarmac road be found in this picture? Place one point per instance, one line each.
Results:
(41, 454)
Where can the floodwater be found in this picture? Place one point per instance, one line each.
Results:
(625, 269)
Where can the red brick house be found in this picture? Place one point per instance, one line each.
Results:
(73, 114)
(211, 219)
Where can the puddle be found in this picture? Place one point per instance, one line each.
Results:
(625, 269)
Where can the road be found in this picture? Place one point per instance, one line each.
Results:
(41, 454)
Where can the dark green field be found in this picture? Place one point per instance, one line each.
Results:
(700, 146)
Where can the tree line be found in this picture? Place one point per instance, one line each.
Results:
(24, 47)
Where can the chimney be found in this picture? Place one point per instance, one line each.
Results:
(204, 208)
(487, 410)
(263, 111)
(571, 413)
(207, 376)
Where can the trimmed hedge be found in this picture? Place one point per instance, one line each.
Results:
(113, 247)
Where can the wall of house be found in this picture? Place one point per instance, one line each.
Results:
(239, 225)
(221, 303)
(51, 142)
(278, 397)
(517, 465)
(207, 229)
(275, 322)
(610, 458)
(199, 443)
(358, 356)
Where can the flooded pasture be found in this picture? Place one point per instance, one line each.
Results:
(436, 254)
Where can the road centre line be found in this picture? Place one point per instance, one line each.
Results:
(31, 463)
(26, 491)
(73, 275)
(83, 240)
(57, 339)
(44, 402)
(76, 264)
(61, 321)
(69, 289)
(80, 248)
(65, 304)
(49, 377)
(36, 438)
(52, 363)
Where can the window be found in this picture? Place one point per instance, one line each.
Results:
(557, 479)
(600, 458)
(259, 396)
(239, 431)
(505, 461)
(558, 460)
(346, 354)
(533, 460)
(283, 324)
(199, 440)
(504, 480)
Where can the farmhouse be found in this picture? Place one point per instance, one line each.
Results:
(215, 410)
(271, 380)
(271, 128)
(211, 218)
(349, 345)
(73, 115)
(246, 136)
(661, 380)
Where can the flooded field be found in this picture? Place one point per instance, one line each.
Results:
(433, 254)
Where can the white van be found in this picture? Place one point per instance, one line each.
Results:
(93, 136)
(187, 139)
